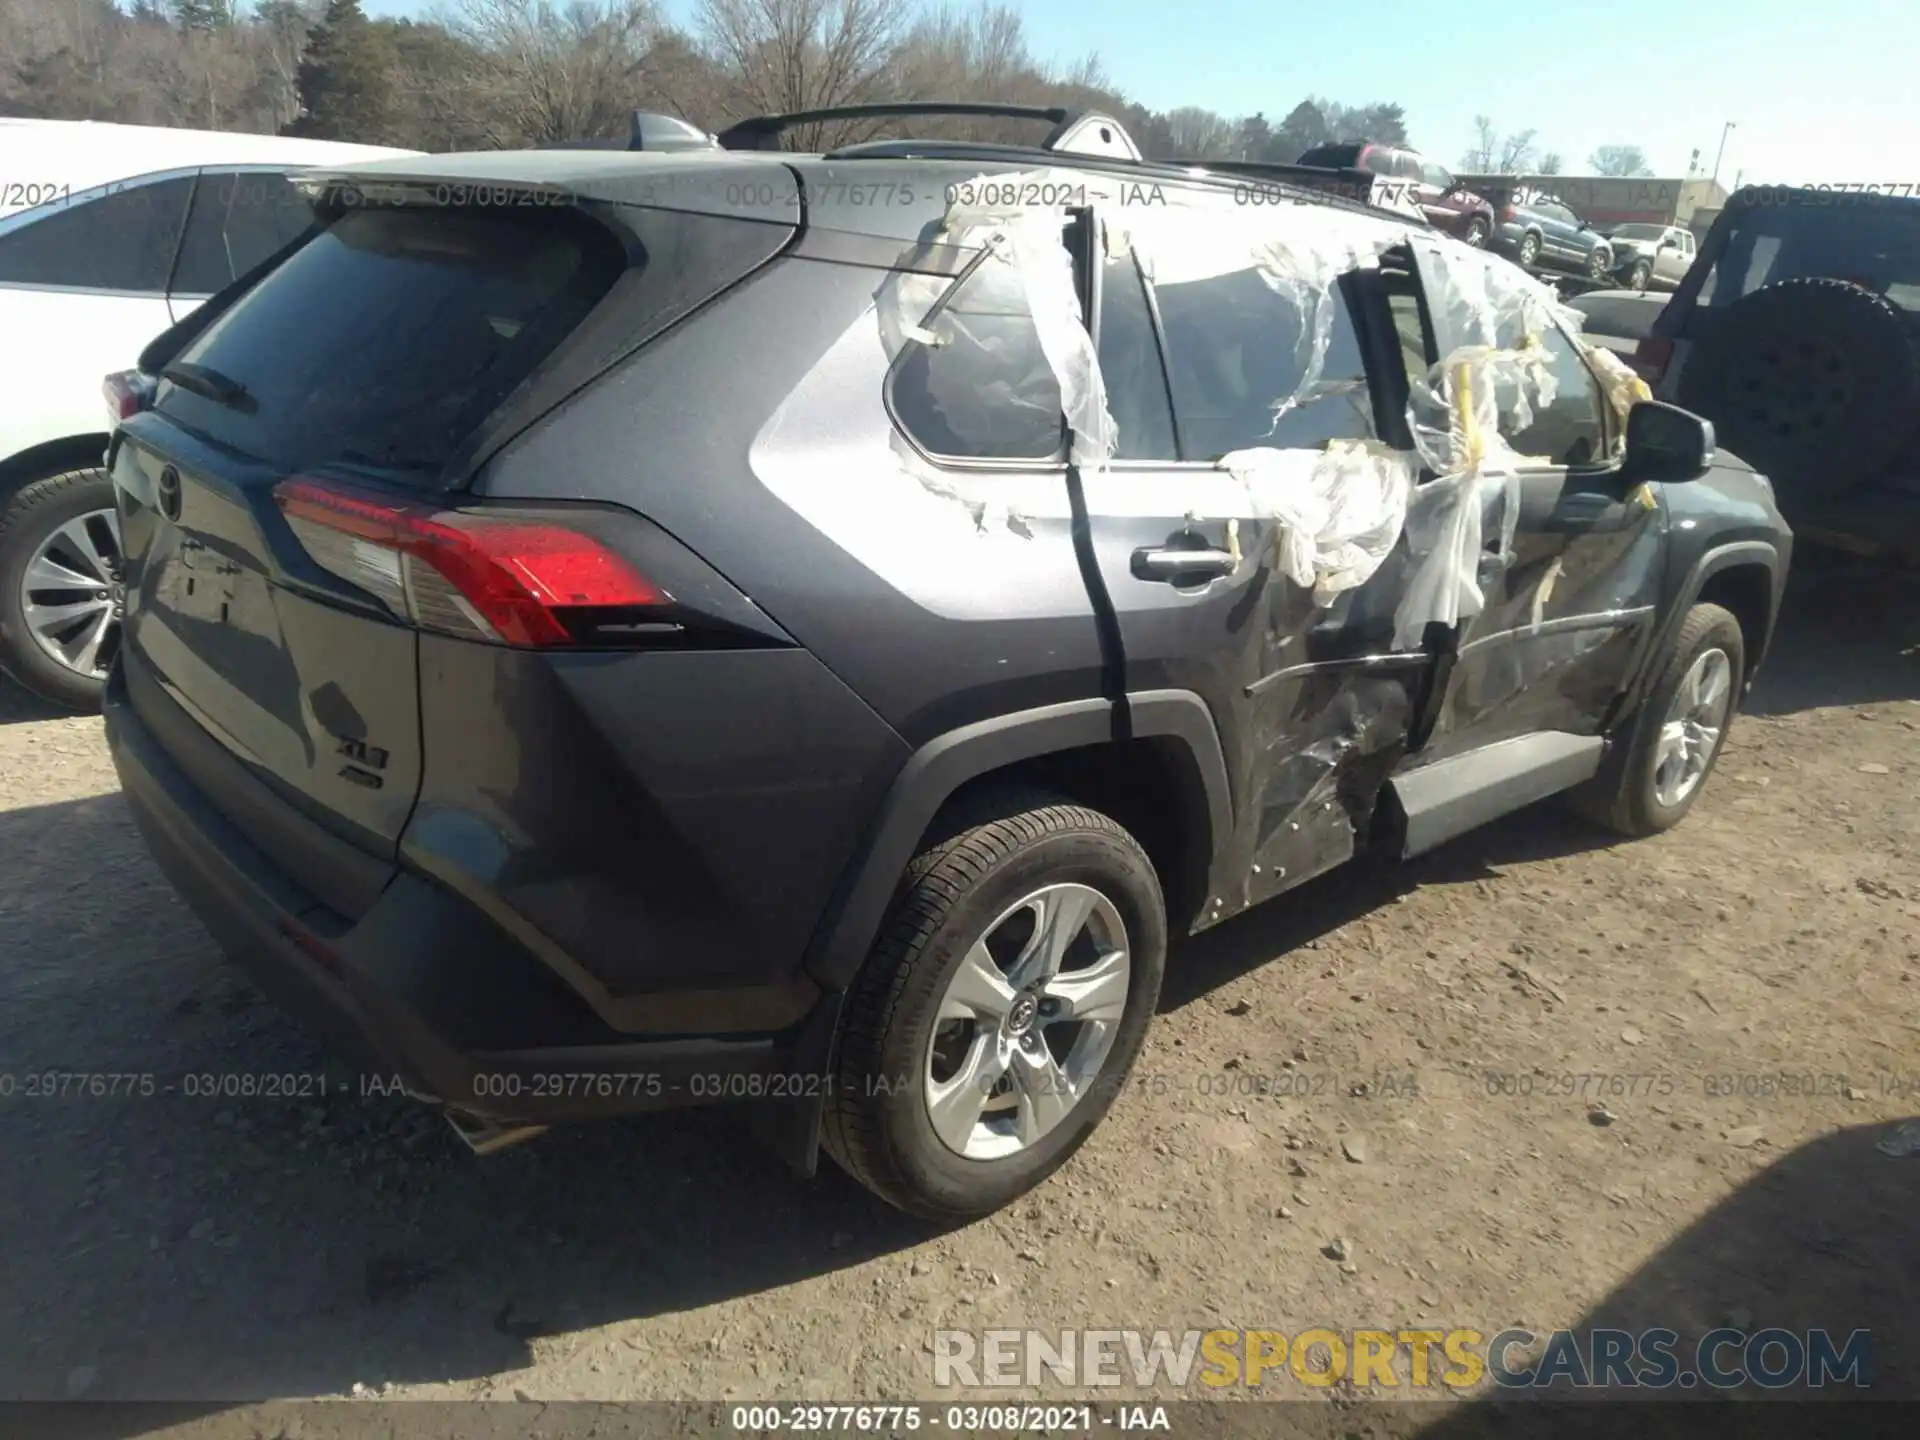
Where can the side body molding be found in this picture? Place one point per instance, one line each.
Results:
(939, 768)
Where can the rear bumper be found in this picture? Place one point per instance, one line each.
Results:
(399, 987)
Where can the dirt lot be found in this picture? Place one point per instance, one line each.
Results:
(228, 1250)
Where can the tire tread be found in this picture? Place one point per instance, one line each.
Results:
(1613, 799)
(935, 882)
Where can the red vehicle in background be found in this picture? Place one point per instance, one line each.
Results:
(1447, 204)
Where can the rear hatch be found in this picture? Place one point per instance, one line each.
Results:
(290, 512)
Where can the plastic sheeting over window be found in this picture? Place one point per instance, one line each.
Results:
(1341, 506)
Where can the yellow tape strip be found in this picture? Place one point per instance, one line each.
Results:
(1469, 421)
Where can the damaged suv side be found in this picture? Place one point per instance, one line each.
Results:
(896, 592)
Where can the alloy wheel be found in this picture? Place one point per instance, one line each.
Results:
(72, 596)
(1028, 1022)
(1691, 733)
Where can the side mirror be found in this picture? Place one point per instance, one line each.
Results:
(1665, 442)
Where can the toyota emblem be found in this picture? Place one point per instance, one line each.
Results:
(170, 493)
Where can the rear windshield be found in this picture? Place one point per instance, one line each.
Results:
(1332, 157)
(386, 340)
(1875, 246)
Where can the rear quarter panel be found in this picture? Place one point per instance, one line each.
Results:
(55, 348)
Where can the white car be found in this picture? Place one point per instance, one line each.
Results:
(108, 234)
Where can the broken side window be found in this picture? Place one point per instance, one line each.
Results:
(1130, 364)
(1568, 429)
(978, 385)
(1237, 352)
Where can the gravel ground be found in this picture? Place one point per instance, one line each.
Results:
(234, 1250)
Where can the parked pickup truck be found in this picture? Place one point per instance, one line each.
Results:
(1651, 257)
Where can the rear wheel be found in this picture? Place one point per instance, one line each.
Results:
(1529, 250)
(1000, 1012)
(1661, 764)
(61, 596)
(1477, 231)
(1598, 263)
(1641, 277)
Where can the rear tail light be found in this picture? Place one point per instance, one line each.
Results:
(127, 393)
(508, 580)
(1652, 356)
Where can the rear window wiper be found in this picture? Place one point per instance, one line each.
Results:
(210, 384)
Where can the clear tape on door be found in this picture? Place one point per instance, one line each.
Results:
(1339, 509)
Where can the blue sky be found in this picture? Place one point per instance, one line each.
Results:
(1822, 91)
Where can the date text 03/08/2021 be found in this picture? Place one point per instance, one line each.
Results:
(975, 1419)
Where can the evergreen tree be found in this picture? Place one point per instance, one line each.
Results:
(346, 79)
(203, 16)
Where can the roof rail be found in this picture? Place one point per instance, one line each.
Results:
(1074, 132)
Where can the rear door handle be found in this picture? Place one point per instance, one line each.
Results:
(1177, 564)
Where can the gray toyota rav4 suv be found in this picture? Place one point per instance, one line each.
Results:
(618, 629)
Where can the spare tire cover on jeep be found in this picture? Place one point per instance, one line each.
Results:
(1812, 382)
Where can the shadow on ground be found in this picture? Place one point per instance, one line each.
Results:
(19, 704)
(1827, 1237)
(1848, 634)
(169, 1246)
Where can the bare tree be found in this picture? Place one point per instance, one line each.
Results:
(540, 72)
(677, 76)
(1549, 164)
(1619, 160)
(1494, 154)
(1199, 134)
(786, 55)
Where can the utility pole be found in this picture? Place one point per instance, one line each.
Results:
(1720, 154)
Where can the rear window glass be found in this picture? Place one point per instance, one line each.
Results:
(1237, 351)
(1877, 247)
(1333, 157)
(984, 390)
(121, 237)
(388, 339)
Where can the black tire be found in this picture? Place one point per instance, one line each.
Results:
(27, 518)
(1477, 231)
(1529, 251)
(1812, 382)
(1599, 262)
(1641, 277)
(1622, 797)
(877, 1124)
